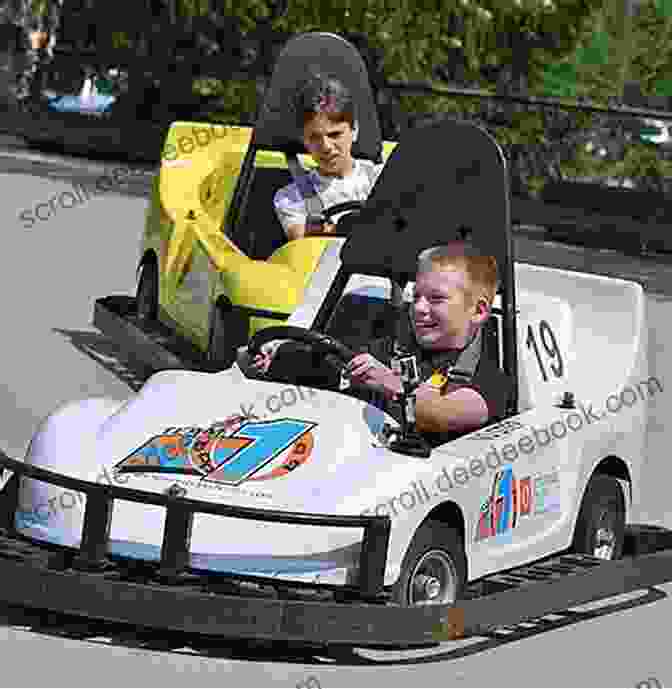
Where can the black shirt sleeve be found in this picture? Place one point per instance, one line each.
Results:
(495, 388)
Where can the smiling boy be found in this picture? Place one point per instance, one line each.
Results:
(454, 291)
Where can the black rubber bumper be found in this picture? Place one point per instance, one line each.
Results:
(169, 595)
(39, 577)
(29, 580)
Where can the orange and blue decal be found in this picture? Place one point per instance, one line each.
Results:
(512, 498)
(509, 499)
(231, 451)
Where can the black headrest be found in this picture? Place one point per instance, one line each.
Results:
(441, 183)
(276, 127)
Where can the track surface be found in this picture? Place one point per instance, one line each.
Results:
(51, 275)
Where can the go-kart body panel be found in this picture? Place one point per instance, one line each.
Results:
(203, 191)
(518, 484)
(517, 491)
(204, 178)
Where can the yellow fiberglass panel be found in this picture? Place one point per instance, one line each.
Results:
(200, 166)
(199, 170)
(300, 255)
(278, 283)
(388, 147)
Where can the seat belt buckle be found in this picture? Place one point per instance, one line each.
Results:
(344, 383)
(456, 375)
(406, 367)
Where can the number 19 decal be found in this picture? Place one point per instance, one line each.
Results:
(550, 347)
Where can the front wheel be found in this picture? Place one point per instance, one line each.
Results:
(600, 526)
(434, 569)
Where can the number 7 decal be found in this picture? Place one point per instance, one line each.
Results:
(265, 440)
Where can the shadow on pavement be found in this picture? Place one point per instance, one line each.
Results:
(123, 635)
(110, 356)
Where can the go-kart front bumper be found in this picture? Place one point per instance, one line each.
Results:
(88, 582)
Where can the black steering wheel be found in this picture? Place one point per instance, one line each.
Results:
(345, 207)
(325, 344)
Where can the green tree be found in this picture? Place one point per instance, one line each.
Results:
(566, 47)
(651, 63)
(620, 49)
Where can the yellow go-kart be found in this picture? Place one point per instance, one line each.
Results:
(215, 264)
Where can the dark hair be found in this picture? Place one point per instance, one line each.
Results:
(323, 94)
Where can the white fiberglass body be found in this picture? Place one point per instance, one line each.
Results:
(514, 489)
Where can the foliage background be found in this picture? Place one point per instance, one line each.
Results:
(565, 48)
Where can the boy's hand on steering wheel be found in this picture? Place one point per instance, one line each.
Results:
(262, 361)
(366, 369)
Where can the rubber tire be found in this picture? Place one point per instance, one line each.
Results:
(432, 535)
(603, 492)
(147, 294)
(221, 352)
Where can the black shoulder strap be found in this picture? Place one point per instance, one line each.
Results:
(464, 368)
(314, 205)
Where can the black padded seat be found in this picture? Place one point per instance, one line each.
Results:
(358, 319)
(259, 232)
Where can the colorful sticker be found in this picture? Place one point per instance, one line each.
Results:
(230, 452)
(547, 493)
(511, 499)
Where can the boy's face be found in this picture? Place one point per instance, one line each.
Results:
(443, 315)
(330, 144)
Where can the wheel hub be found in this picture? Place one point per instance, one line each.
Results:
(427, 587)
(434, 580)
(605, 538)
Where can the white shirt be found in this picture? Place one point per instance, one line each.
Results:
(290, 206)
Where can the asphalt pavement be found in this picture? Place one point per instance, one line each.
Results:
(127, 178)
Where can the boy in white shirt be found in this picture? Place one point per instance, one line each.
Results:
(325, 111)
